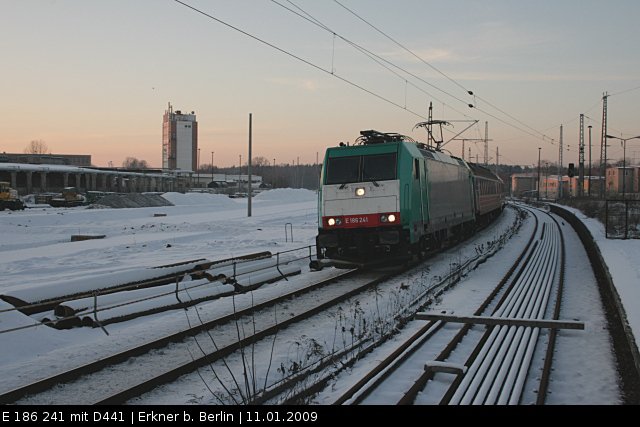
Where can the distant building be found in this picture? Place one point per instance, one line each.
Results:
(621, 180)
(80, 160)
(179, 140)
(523, 184)
(551, 187)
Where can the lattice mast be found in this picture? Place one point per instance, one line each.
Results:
(486, 143)
(581, 159)
(603, 145)
(560, 171)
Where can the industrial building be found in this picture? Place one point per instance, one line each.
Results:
(29, 179)
(179, 140)
(81, 160)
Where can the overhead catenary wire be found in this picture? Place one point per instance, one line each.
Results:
(305, 61)
(537, 134)
(374, 57)
(469, 92)
(624, 91)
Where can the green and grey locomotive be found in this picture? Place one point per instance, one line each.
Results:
(389, 196)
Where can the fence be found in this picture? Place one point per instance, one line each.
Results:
(622, 219)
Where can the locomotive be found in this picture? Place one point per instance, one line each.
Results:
(388, 196)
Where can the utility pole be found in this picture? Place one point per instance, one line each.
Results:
(589, 191)
(538, 183)
(497, 159)
(198, 167)
(212, 166)
(546, 180)
(581, 158)
(249, 168)
(486, 143)
(472, 140)
(560, 171)
(603, 147)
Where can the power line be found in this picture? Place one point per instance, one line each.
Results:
(625, 91)
(373, 56)
(405, 48)
(271, 45)
(540, 134)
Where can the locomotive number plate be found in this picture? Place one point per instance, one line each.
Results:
(356, 220)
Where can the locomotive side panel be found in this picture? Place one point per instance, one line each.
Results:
(450, 201)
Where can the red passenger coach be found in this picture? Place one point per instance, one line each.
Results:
(488, 189)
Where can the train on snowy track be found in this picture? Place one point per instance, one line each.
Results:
(390, 197)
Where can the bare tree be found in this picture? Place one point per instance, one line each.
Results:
(133, 163)
(37, 146)
(260, 161)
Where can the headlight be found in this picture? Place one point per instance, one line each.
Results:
(387, 218)
(331, 222)
(360, 191)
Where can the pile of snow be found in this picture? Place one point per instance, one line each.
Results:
(199, 199)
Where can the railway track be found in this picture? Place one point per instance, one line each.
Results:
(119, 377)
(406, 313)
(494, 367)
(130, 373)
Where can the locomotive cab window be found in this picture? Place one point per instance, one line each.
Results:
(343, 170)
(381, 167)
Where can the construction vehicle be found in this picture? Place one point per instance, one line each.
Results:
(69, 197)
(9, 198)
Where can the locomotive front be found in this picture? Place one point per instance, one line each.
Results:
(359, 202)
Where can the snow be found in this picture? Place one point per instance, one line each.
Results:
(621, 257)
(39, 262)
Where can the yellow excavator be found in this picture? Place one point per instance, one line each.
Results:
(69, 197)
(9, 198)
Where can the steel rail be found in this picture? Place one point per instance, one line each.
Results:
(357, 393)
(499, 370)
(548, 360)
(94, 366)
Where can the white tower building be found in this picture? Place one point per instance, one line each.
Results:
(179, 140)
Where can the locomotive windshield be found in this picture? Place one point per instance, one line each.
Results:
(345, 170)
(379, 168)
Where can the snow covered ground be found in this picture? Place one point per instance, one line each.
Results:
(622, 258)
(35, 250)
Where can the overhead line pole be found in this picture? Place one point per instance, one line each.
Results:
(560, 171)
(581, 158)
(249, 168)
(486, 143)
(603, 147)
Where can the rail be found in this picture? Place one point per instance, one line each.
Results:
(95, 294)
